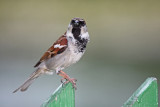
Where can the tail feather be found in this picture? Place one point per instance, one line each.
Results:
(30, 80)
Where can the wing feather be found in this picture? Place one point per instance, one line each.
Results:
(57, 48)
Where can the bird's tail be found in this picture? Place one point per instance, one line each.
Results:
(30, 80)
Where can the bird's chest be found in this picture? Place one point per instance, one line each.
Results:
(74, 54)
(71, 55)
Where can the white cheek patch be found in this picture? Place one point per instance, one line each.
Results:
(85, 35)
(59, 46)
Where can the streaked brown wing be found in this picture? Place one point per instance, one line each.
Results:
(58, 47)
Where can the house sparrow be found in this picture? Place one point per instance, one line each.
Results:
(67, 50)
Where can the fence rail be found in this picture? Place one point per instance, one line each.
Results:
(145, 96)
(64, 96)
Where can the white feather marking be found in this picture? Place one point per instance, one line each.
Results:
(49, 72)
(59, 46)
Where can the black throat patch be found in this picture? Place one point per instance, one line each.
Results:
(76, 32)
(81, 42)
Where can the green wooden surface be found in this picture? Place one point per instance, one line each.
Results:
(145, 96)
(64, 96)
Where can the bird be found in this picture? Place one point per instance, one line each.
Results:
(67, 50)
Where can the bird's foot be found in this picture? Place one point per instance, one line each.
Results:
(67, 78)
(71, 80)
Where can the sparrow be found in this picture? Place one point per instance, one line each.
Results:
(67, 50)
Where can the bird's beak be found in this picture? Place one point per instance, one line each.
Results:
(76, 23)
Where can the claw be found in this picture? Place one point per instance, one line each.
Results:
(63, 80)
(71, 80)
(68, 79)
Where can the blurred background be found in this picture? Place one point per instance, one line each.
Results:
(124, 49)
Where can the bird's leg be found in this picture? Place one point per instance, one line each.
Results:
(65, 76)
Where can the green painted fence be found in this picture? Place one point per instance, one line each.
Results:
(64, 96)
(145, 96)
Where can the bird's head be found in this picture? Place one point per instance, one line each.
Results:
(77, 23)
(78, 26)
(77, 29)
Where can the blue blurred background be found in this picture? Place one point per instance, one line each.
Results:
(123, 51)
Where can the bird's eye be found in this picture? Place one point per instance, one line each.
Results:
(82, 23)
(72, 22)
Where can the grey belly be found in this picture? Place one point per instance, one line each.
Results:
(63, 60)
